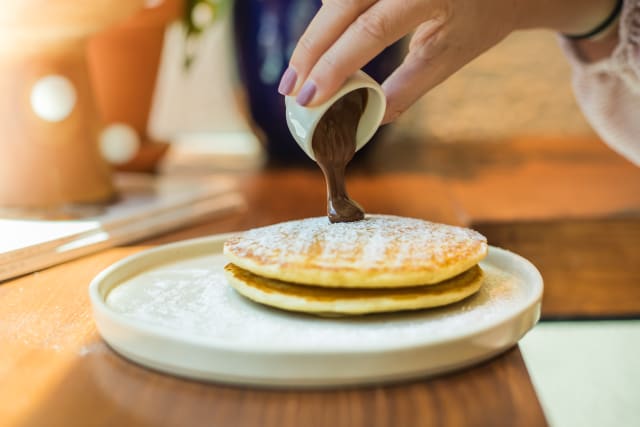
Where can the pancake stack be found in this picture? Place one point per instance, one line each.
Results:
(380, 264)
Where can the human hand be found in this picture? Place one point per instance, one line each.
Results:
(346, 34)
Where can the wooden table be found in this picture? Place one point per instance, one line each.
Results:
(571, 206)
(56, 371)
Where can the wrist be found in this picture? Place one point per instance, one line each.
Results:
(564, 16)
(597, 49)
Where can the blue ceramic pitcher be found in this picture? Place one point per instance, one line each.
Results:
(265, 34)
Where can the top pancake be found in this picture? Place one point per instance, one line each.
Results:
(377, 252)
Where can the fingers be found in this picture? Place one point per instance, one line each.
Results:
(431, 59)
(380, 25)
(329, 23)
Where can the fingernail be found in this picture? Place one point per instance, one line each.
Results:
(307, 93)
(288, 81)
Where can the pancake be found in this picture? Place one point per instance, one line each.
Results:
(380, 251)
(331, 301)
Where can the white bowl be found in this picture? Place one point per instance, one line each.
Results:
(302, 121)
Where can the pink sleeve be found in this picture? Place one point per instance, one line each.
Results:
(608, 91)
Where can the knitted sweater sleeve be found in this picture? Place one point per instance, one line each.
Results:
(608, 91)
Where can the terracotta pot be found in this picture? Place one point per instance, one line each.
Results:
(124, 63)
(48, 120)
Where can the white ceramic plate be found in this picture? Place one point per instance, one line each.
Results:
(170, 309)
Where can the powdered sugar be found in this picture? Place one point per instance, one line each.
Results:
(397, 241)
(191, 299)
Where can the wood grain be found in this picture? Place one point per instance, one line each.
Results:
(56, 371)
(286, 194)
(103, 389)
(591, 268)
(570, 205)
(534, 179)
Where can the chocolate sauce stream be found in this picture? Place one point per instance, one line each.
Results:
(334, 144)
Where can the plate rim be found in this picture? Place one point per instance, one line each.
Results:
(101, 308)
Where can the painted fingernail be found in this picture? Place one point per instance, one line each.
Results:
(288, 81)
(307, 93)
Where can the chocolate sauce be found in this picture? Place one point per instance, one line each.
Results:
(334, 144)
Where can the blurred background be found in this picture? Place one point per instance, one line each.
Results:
(191, 85)
(520, 88)
(185, 91)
